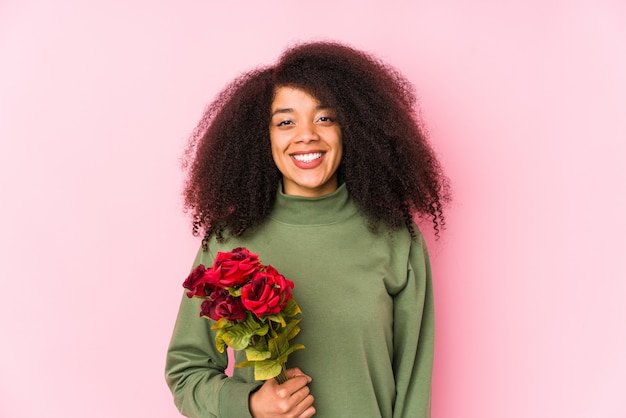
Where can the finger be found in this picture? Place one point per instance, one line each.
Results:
(308, 413)
(291, 386)
(300, 396)
(305, 407)
(294, 372)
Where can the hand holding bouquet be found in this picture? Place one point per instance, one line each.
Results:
(250, 304)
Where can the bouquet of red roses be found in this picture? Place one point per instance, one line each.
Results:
(250, 304)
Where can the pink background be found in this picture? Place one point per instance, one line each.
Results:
(526, 105)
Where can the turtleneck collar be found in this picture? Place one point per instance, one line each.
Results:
(328, 209)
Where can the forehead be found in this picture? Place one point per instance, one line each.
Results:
(290, 96)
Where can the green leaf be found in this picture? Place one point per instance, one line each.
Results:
(245, 363)
(292, 308)
(274, 347)
(234, 292)
(262, 331)
(254, 354)
(292, 329)
(255, 326)
(252, 321)
(219, 341)
(238, 337)
(263, 370)
(259, 344)
(283, 344)
(278, 318)
(291, 349)
(295, 331)
(222, 323)
(268, 369)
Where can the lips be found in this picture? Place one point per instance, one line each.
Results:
(307, 160)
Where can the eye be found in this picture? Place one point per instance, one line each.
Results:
(285, 122)
(326, 120)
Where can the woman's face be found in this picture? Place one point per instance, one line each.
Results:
(306, 143)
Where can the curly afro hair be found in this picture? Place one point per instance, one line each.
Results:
(389, 168)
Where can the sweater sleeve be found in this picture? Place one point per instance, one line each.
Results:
(194, 369)
(414, 337)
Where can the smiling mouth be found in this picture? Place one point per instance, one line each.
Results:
(307, 158)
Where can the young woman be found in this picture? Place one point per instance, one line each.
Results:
(319, 165)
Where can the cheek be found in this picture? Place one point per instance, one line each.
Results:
(277, 145)
(338, 138)
(273, 142)
(275, 155)
(339, 146)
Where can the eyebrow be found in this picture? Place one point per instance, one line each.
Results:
(290, 110)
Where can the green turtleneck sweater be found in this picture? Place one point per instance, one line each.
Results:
(367, 321)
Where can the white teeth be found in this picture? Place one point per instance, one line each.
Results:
(307, 158)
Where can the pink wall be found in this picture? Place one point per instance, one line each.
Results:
(525, 102)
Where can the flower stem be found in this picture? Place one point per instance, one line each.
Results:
(282, 376)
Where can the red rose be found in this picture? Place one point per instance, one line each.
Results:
(267, 293)
(222, 305)
(234, 268)
(198, 281)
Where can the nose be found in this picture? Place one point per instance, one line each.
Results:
(307, 132)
